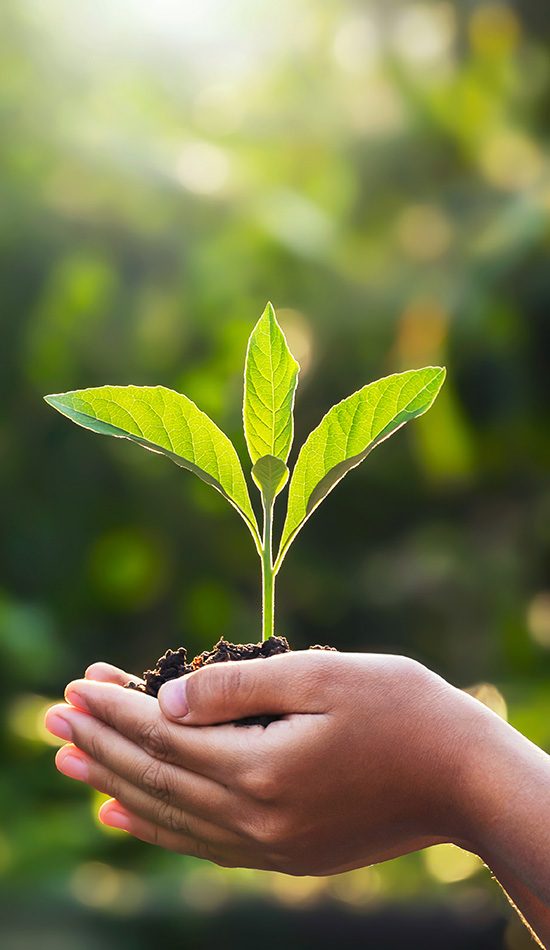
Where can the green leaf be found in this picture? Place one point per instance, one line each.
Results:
(271, 476)
(270, 380)
(166, 422)
(346, 435)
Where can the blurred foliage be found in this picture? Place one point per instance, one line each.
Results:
(380, 171)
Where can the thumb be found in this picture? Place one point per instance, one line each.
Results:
(222, 692)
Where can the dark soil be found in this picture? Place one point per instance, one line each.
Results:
(174, 664)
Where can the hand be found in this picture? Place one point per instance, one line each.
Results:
(164, 780)
(375, 756)
(366, 764)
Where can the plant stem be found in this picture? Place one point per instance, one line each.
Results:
(268, 574)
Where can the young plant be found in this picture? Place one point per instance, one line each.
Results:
(170, 424)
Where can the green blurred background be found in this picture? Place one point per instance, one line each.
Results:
(379, 170)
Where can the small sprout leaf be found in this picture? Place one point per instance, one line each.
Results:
(270, 380)
(346, 435)
(271, 476)
(168, 423)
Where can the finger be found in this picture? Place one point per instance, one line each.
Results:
(106, 673)
(113, 814)
(170, 783)
(215, 752)
(75, 764)
(222, 692)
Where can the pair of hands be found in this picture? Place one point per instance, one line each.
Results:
(354, 774)
(375, 756)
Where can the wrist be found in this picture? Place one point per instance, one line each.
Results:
(505, 797)
(471, 781)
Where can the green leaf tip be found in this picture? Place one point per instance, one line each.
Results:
(348, 433)
(270, 475)
(168, 423)
(270, 381)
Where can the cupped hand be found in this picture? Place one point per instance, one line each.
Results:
(366, 763)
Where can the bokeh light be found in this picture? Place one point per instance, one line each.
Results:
(538, 619)
(26, 719)
(491, 696)
(424, 32)
(494, 29)
(449, 864)
(424, 232)
(356, 44)
(296, 891)
(203, 168)
(98, 885)
(356, 888)
(127, 569)
(299, 335)
(510, 160)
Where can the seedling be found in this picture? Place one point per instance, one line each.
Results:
(170, 424)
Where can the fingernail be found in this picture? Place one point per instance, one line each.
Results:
(76, 699)
(174, 698)
(72, 765)
(115, 819)
(58, 726)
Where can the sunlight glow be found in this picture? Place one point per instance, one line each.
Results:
(177, 43)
